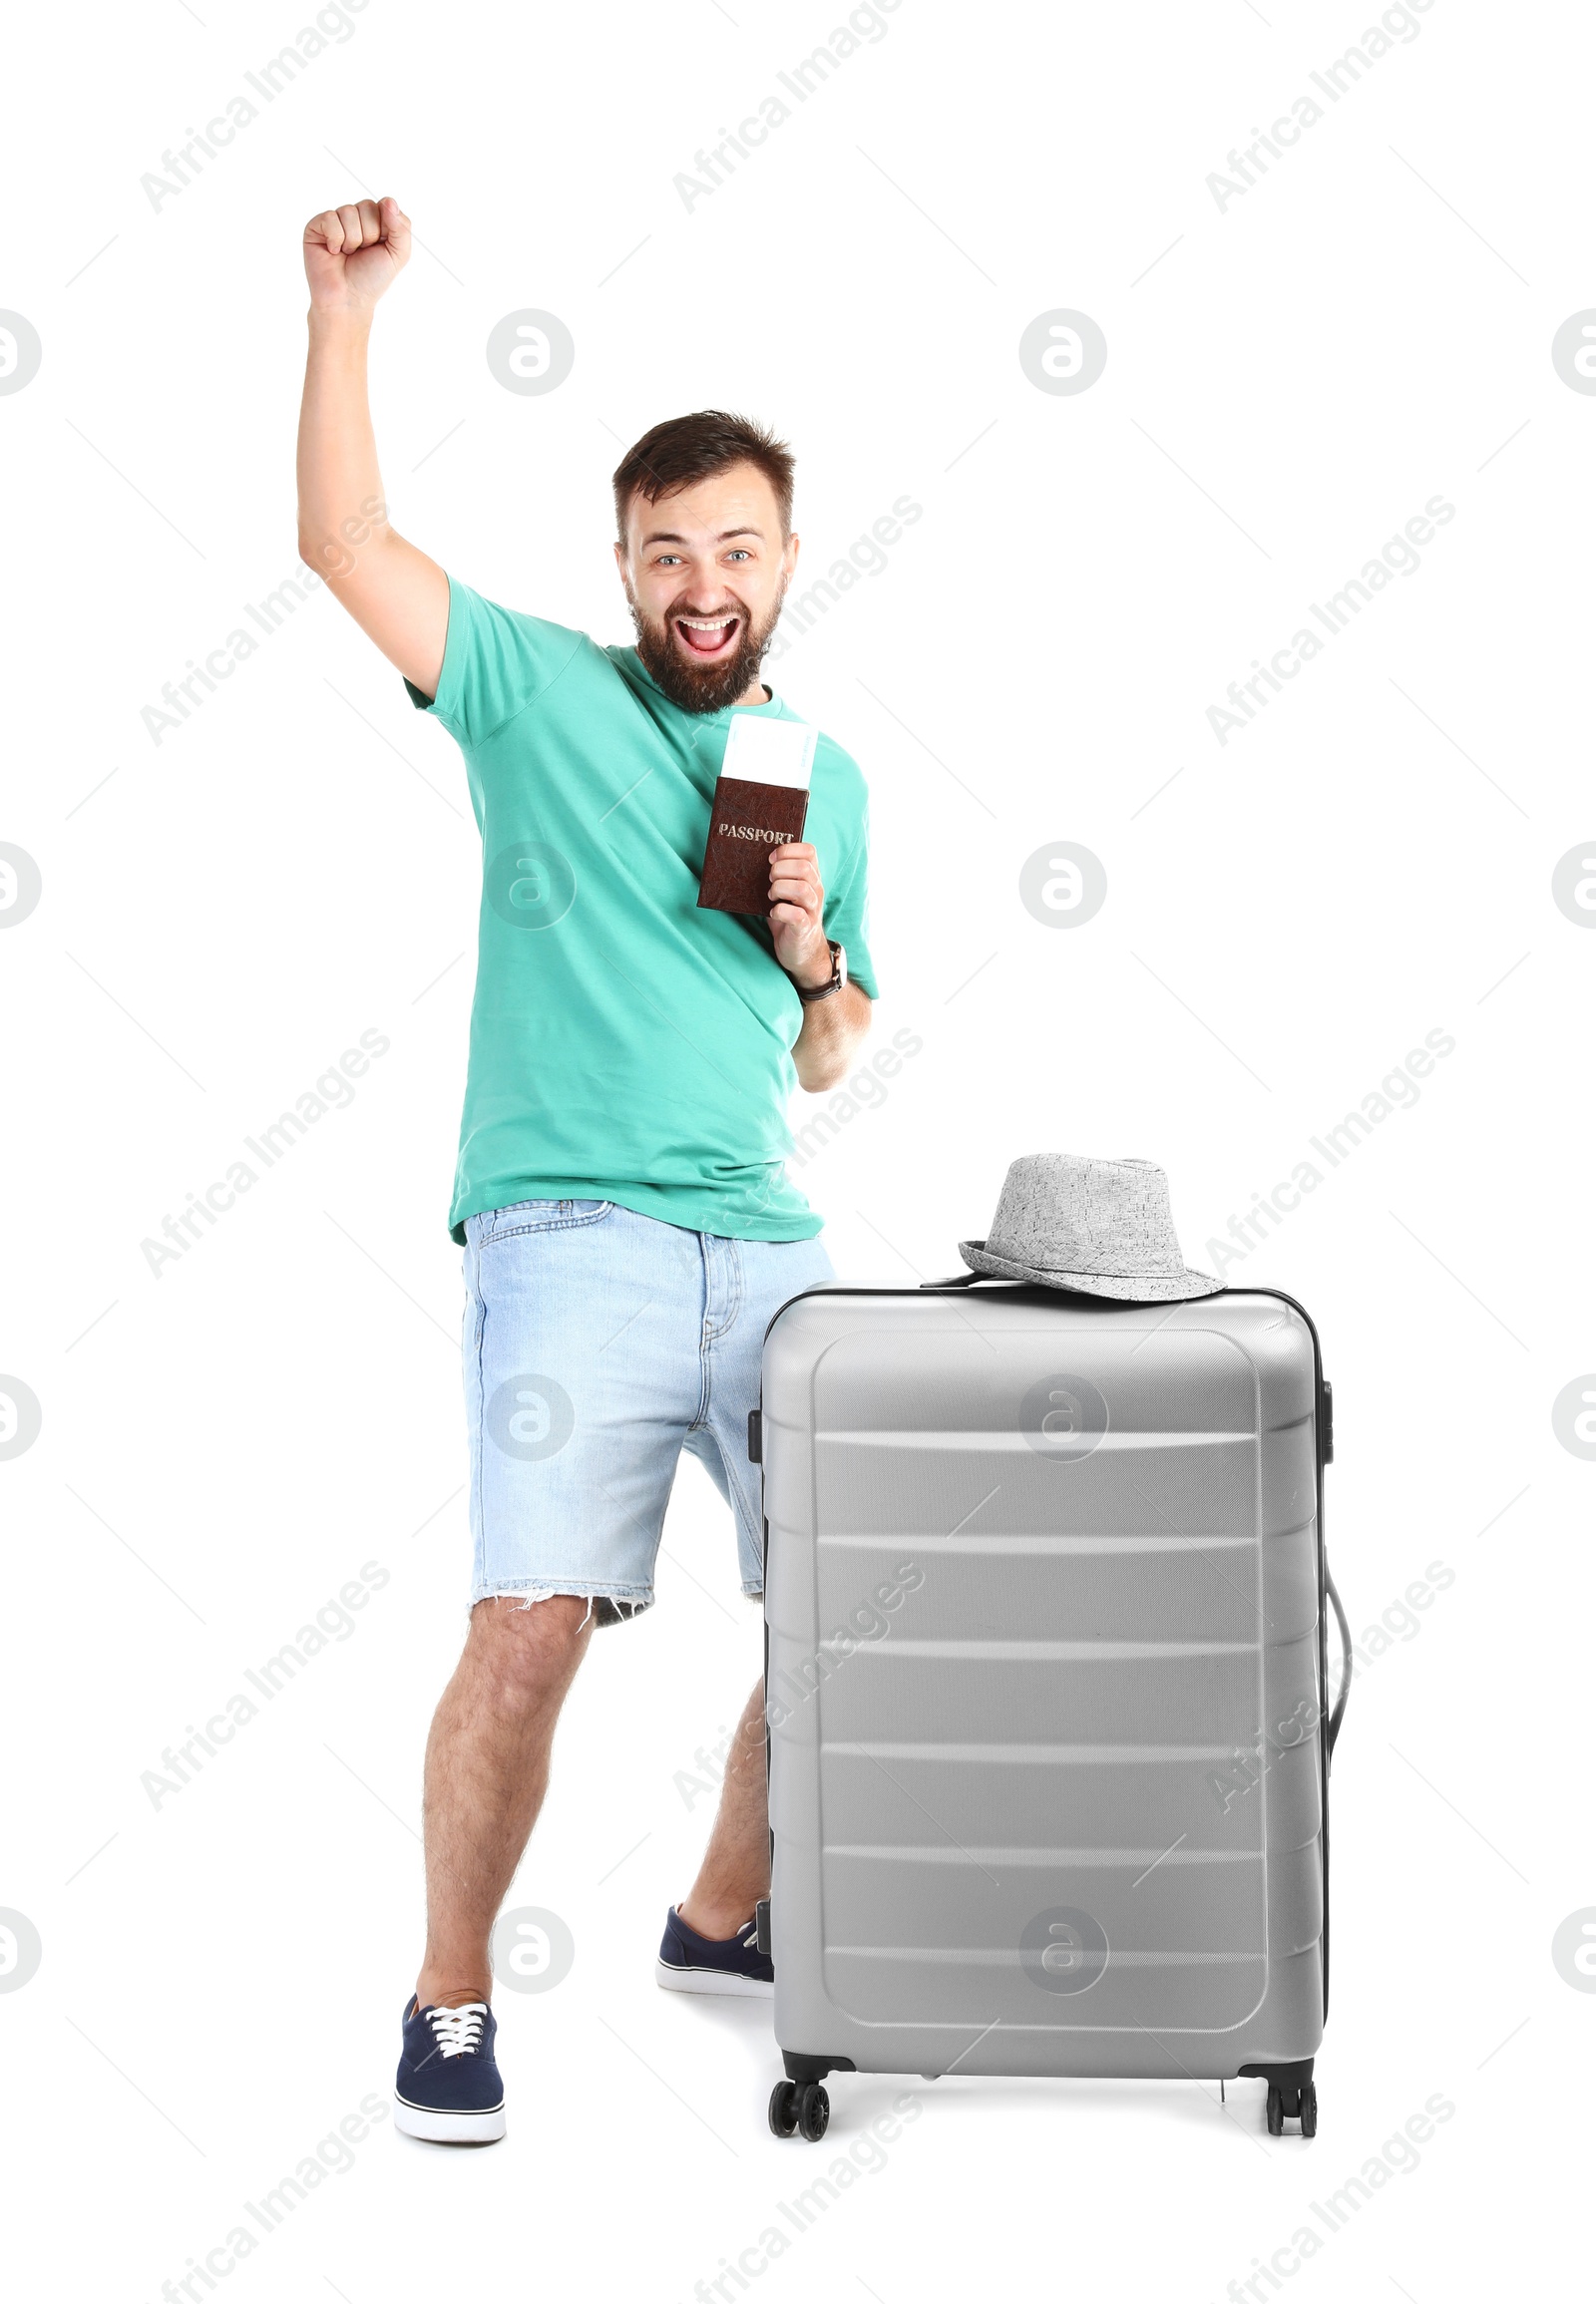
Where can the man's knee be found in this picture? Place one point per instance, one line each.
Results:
(523, 1647)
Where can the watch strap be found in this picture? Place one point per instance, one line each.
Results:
(825, 990)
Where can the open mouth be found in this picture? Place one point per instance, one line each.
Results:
(707, 637)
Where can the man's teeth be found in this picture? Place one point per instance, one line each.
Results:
(706, 635)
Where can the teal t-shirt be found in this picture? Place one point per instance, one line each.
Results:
(624, 1046)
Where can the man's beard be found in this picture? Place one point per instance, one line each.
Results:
(701, 687)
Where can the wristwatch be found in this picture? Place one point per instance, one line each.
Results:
(839, 977)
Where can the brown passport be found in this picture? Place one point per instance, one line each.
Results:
(761, 800)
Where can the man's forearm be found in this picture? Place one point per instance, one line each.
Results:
(832, 1032)
(341, 507)
(396, 594)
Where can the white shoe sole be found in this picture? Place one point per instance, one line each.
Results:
(445, 2127)
(717, 1980)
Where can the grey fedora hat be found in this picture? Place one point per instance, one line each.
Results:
(1102, 1226)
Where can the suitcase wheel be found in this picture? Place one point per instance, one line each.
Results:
(1298, 2103)
(799, 2109)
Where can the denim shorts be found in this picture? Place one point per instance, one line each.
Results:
(597, 1345)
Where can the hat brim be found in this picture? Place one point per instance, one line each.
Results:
(1124, 1287)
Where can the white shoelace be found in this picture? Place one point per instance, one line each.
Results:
(457, 2031)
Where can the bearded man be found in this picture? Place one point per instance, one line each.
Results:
(622, 1197)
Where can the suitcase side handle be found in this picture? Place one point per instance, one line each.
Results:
(1334, 1728)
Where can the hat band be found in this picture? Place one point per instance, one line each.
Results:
(1144, 1263)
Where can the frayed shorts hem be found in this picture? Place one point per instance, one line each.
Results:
(607, 1603)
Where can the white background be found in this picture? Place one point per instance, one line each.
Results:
(1289, 380)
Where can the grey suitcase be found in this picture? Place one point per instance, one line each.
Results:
(1046, 1688)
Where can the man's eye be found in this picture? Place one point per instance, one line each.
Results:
(741, 553)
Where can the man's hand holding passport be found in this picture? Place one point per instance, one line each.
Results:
(756, 820)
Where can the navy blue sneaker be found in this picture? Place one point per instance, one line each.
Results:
(448, 2089)
(689, 1962)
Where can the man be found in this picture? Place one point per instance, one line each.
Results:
(622, 1197)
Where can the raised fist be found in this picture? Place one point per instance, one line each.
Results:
(353, 254)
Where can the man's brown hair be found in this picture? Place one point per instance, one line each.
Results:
(686, 449)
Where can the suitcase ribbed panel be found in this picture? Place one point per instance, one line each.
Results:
(1042, 1602)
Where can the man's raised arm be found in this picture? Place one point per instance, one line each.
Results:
(396, 594)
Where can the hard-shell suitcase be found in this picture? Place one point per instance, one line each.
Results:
(1046, 1688)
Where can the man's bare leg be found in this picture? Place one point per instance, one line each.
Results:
(735, 1871)
(486, 1774)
